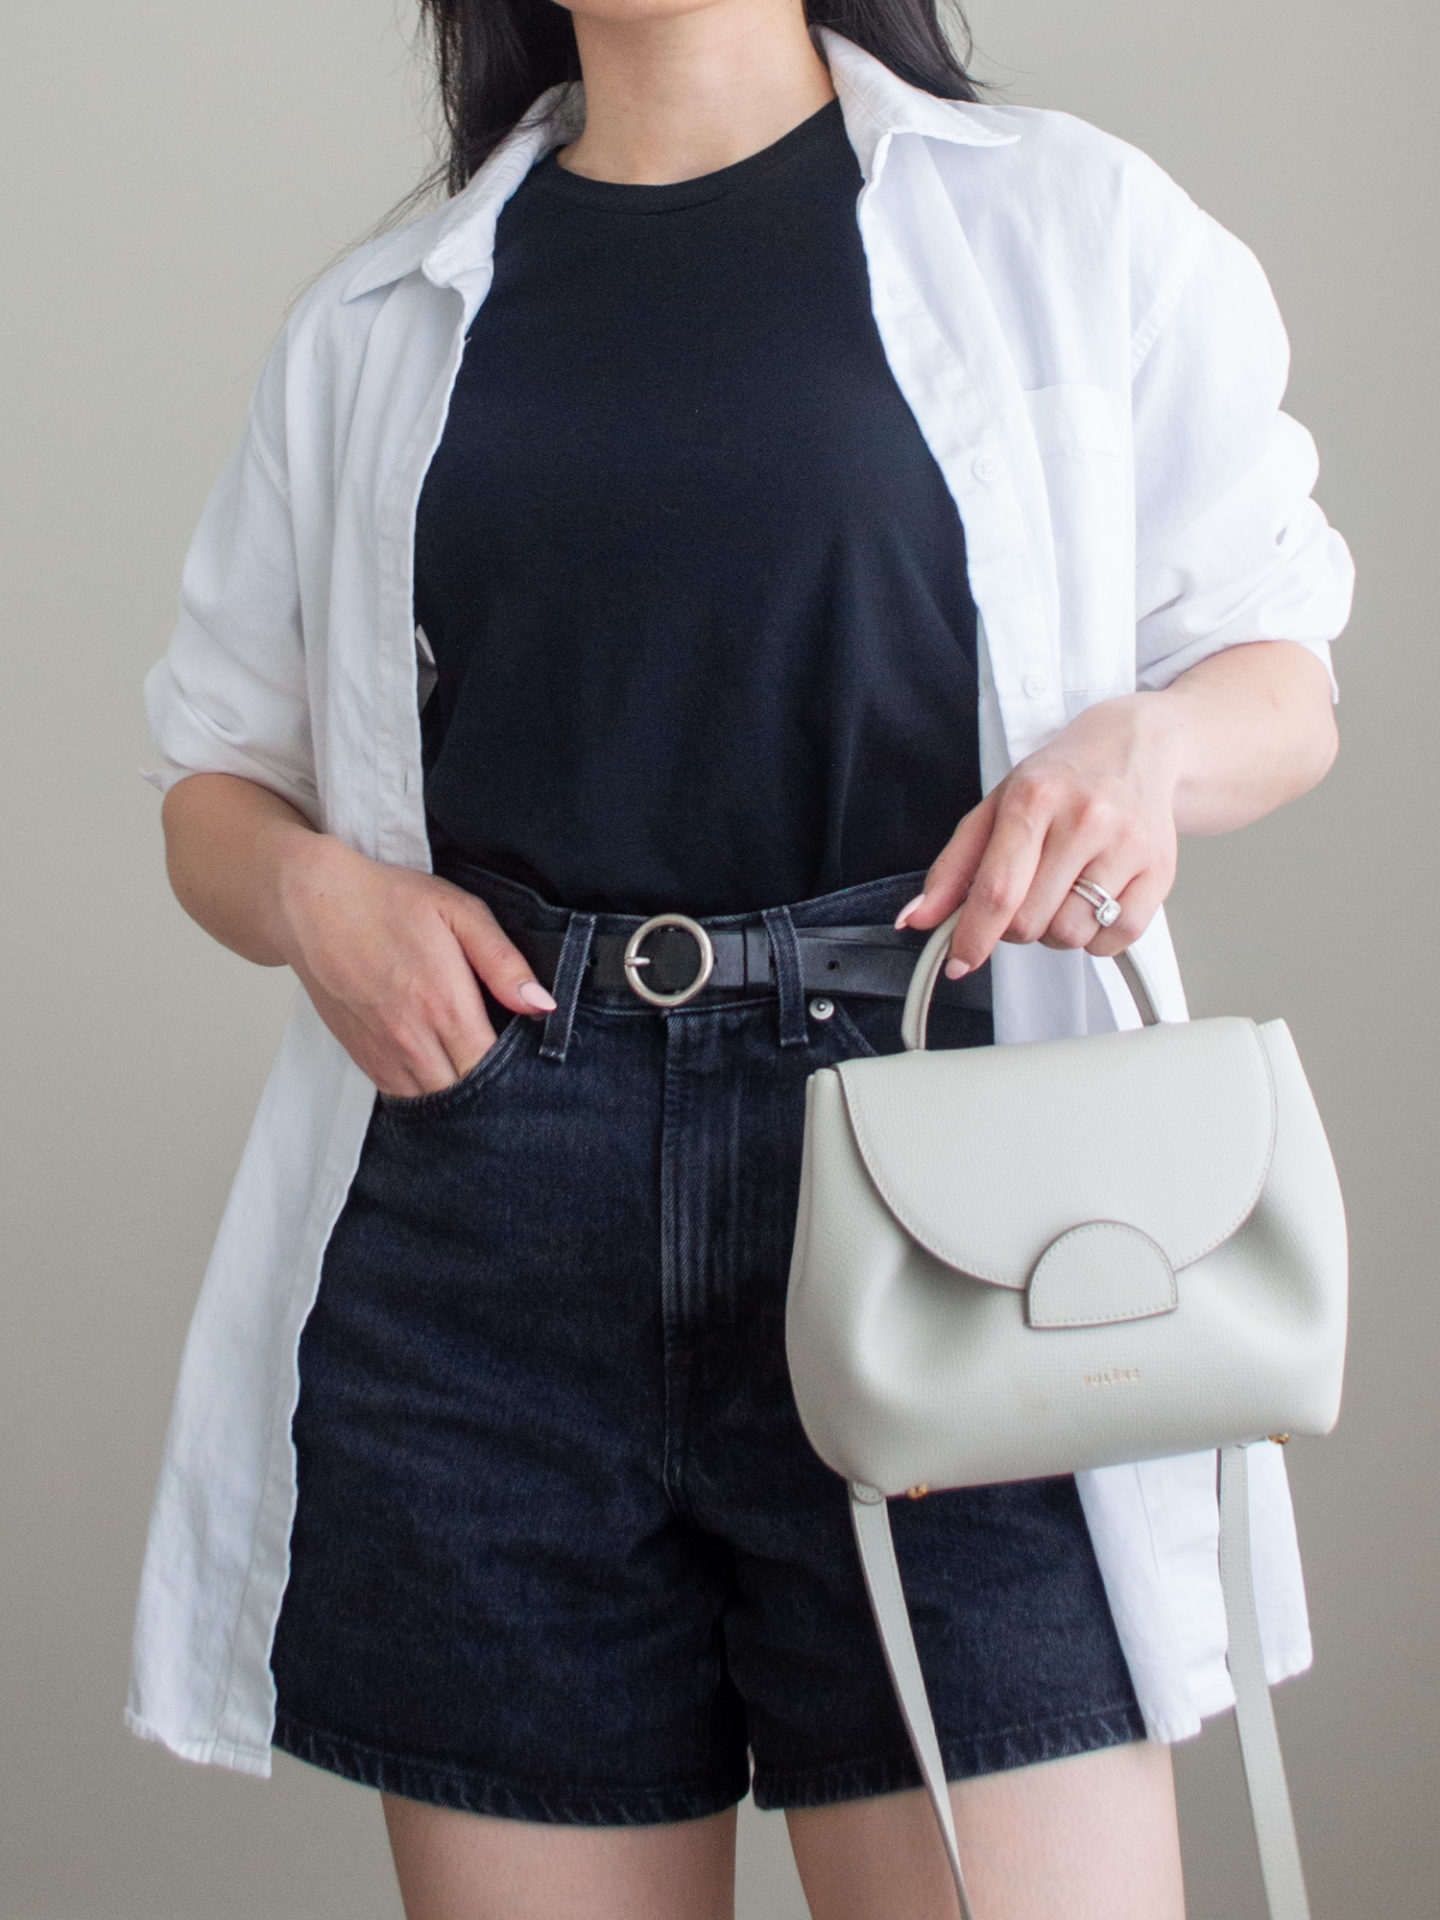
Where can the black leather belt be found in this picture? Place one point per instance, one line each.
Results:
(875, 960)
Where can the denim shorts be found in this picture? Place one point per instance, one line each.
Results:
(562, 1551)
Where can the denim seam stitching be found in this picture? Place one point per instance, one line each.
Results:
(1119, 1720)
(400, 1106)
(487, 1785)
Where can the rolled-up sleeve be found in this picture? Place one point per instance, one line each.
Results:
(230, 693)
(1231, 547)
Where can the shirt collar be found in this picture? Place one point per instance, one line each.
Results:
(457, 240)
(878, 103)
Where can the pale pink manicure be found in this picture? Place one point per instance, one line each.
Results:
(908, 908)
(956, 969)
(534, 995)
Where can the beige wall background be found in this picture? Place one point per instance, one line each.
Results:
(172, 174)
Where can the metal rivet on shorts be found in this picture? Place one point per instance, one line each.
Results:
(822, 1009)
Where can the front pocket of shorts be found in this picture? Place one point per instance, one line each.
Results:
(850, 1040)
(431, 1106)
(872, 1027)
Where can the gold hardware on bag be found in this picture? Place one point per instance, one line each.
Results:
(916, 1493)
(1278, 1438)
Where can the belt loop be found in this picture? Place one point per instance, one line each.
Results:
(569, 971)
(785, 953)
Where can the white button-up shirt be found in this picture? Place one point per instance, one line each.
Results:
(1097, 368)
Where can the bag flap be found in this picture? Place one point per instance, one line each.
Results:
(986, 1154)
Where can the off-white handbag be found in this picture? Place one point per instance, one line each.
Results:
(1030, 1259)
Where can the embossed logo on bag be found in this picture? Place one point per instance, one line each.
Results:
(1112, 1377)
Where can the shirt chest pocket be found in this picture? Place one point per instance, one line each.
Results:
(1083, 434)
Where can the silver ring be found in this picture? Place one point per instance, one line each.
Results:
(1107, 907)
(633, 959)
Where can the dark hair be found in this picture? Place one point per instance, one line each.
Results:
(496, 56)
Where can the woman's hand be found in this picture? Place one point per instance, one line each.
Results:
(1237, 735)
(391, 957)
(1097, 801)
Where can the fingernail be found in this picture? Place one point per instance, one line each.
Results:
(956, 969)
(534, 995)
(908, 908)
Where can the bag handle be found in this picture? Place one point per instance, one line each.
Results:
(931, 958)
(1270, 1810)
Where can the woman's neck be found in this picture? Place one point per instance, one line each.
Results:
(671, 96)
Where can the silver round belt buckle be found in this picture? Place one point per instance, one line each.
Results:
(634, 960)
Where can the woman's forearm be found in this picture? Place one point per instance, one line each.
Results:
(1248, 729)
(229, 844)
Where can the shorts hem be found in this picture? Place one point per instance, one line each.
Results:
(997, 1751)
(469, 1791)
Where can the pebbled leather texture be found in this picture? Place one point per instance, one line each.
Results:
(1098, 1274)
(932, 1186)
(1168, 1129)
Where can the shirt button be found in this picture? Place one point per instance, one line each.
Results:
(897, 289)
(1034, 684)
(986, 468)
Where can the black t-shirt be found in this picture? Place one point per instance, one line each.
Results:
(694, 584)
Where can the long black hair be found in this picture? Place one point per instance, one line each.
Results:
(495, 56)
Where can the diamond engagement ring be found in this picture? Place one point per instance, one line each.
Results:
(1107, 907)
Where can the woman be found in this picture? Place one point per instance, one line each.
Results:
(780, 493)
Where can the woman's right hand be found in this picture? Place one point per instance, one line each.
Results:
(390, 957)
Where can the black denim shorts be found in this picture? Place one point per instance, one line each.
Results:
(562, 1551)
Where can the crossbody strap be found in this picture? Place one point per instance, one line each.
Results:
(871, 1518)
(1254, 1714)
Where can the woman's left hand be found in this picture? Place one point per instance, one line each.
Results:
(1097, 802)
(1239, 733)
